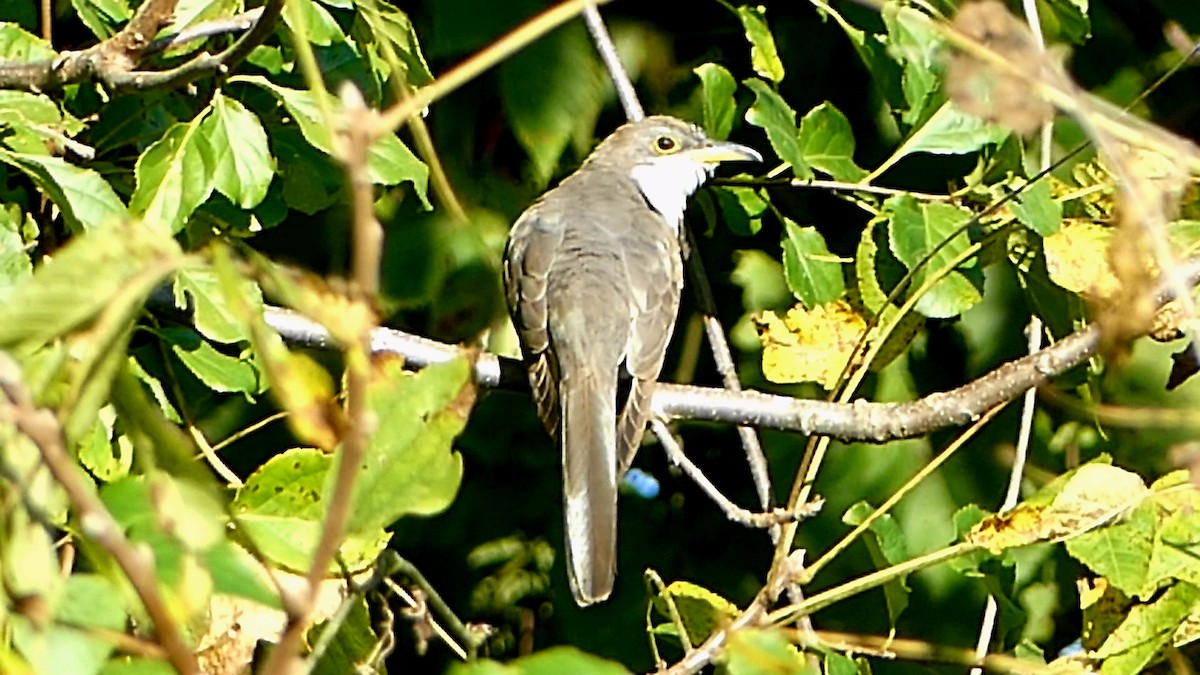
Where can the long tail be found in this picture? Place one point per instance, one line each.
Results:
(589, 459)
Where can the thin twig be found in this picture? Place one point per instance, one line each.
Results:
(41, 427)
(367, 237)
(612, 61)
(234, 24)
(926, 471)
(460, 632)
(732, 511)
(719, 346)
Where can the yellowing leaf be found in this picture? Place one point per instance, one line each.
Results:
(809, 345)
(1077, 259)
(701, 610)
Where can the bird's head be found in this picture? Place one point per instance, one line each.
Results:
(668, 159)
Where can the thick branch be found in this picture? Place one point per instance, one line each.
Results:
(114, 61)
(858, 421)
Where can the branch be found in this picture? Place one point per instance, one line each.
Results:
(113, 62)
(858, 421)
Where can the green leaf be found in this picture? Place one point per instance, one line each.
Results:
(913, 42)
(353, 646)
(174, 176)
(236, 572)
(86, 200)
(772, 114)
(1067, 19)
(701, 610)
(762, 652)
(813, 273)
(741, 208)
(552, 661)
(200, 290)
(717, 88)
(219, 372)
(877, 271)
(948, 132)
(20, 45)
(916, 230)
(564, 62)
(307, 18)
(390, 162)
(281, 509)
(886, 546)
(107, 459)
(382, 24)
(243, 166)
(1037, 209)
(1147, 630)
(763, 55)
(102, 17)
(108, 270)
(15, 265)
(410, 466)
(827, 143)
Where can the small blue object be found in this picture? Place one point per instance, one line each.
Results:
(640, 483)
(1073, 649)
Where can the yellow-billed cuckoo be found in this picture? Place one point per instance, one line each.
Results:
(593, 272)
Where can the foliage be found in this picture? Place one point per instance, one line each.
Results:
(171, 458)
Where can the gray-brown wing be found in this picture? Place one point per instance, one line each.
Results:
(657, 274)
(527, 261)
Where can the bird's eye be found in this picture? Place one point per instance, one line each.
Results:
(666, 144)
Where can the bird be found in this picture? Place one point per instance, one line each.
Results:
(593, 272)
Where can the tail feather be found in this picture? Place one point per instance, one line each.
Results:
(590, 482)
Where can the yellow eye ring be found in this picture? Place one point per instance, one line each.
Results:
(665, 145)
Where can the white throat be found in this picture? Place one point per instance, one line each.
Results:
(667, 182)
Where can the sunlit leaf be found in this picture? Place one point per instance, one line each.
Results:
(282, 506)
(935, 231)
(717, 89)
(827, 143)
(1077, 259)
(701, 610)
(772, 114)
(305, 17)
(84, 279)
(243, 166)
(199, 289)
(174, 176)
(86, 200)
(763, 55)
(813, 273)
(219, 372)
(410, 466)
(809, 345)
(20, 45)
(761, 651)
(1037, 209)
(390, 162)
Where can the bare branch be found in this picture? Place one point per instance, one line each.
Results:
(114, 62)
